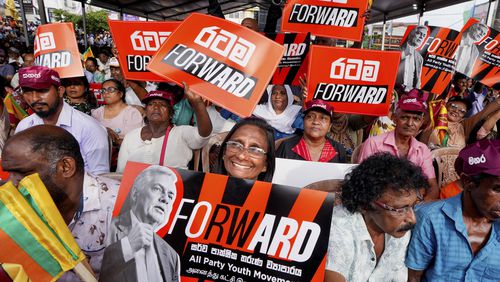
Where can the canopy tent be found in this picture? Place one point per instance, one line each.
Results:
(179, 9)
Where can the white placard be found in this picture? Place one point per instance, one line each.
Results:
(299, 173)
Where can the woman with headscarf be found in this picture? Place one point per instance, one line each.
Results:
(280, 112)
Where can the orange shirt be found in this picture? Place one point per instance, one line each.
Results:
(451, 189)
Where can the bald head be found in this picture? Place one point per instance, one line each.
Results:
(48, 142)
(250, 23)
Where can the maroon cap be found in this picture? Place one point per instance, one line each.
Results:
(413, 102)
(157, 94)
(38, 77)
(480, 157)
(318, 104)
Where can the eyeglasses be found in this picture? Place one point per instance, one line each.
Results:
(398, 211)
(236, 148)
(109, 90)
(455, 107)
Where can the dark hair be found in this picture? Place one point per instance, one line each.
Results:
(271, 154)
(119, 86)
(377, 174)
(94, 60)
(54, 145)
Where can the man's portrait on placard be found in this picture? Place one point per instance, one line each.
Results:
(412, 61)
(134, 251)
(467, 51)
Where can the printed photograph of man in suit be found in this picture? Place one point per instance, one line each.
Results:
(134, 251)
(410, 67)
(467, 51)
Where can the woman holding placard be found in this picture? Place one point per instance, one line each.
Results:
(159, 141)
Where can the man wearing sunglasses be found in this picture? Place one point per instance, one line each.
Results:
(369, 231)
(41, 89)
(458, 239)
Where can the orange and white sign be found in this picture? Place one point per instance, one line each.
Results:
(137, 42)
(55, 47)
(224, 62)
(353, 80)
(333, 18)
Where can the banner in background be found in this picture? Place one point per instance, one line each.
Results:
(224, 62)
(332, 18)
(353, 80)
(137, 42)
(292, 64)
(55, 47)
(95, 88)
(228, 229)
(427, 58)
(478, 53)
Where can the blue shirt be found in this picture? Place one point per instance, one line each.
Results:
(440, 246)
(91, 136)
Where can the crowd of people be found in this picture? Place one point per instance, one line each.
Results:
(55, 127)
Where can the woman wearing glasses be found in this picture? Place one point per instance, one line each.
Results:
(313, 144)
(77, 94)
(459, 127)
(118, 117)
(159, 141)
(248, 151)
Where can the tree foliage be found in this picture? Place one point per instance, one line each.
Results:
(97, 21)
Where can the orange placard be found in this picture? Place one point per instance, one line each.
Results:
(56, 48)
(333, 18)
(137, 42)
(353, 80)
(224, 62)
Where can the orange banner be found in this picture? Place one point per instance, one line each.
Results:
(333, 18)
(137, 42)
(222, 61)
(56, 48)
(353, 80)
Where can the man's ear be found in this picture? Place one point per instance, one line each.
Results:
(66, 167)
(467, 182)
(60, 91)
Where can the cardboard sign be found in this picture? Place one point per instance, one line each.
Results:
(137, 42)
(224, 62)
(332, 18)
(353, 80)
(427, 58)
(291, 172)
(55, 47)
(226, 229)
(292, 65)
(95, 89)
(478, 54)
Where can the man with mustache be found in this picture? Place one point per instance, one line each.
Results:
(401, 142)
(369, 231)
(42, 91)
(135, 252)
(458, 239)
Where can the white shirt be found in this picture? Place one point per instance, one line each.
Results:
(91, 226)
(91, 136)
(131, 98)
(409, 70)
(351, 251)
(182, 140)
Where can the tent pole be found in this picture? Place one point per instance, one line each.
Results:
(383, 32)
(41, 11)
(84, 16)
(25, 24)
